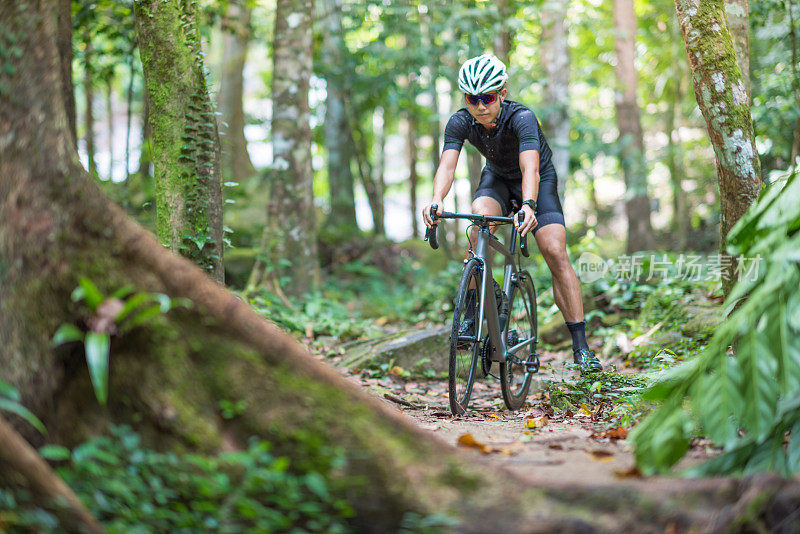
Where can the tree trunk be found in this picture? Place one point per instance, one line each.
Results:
(19, 462)
(291, 206)
(411, 152)
(145, 150)
(379, 170)
(721, 95)
(555, 59)
(795, 150)
(185, 136)
(129, 118)
(370, 177)
(637, 202)
(169, 374)
(341, 223)
(88, 91)
(110, 123)
(64, 37)
(503, 36)
(236, 29)
(675, 163)
(738, 15)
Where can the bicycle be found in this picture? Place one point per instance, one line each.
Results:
(510, 316)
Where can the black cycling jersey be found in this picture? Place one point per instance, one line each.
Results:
(517, 130)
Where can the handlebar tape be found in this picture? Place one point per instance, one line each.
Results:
(430, 233)
(523, 244)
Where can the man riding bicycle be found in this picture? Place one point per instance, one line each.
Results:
(519, 171)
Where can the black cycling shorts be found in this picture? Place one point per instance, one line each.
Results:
(548, 206)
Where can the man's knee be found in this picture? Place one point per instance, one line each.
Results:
(486, 206)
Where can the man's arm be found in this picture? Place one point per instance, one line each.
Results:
(442, 182)
(529, 164)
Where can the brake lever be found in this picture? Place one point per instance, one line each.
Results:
(430, 233)
(523, 243)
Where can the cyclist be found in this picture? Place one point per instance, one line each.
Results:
(518, 170)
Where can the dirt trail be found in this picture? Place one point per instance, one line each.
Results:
(535, 442)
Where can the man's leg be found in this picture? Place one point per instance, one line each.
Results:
(482, 206)
(552, 242)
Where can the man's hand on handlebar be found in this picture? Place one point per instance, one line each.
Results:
(426, 212)
(529, 222)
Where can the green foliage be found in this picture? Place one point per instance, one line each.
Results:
(743, 391)
(9, 402)
(134, 489)
(620, 392)
(110, 315)
(358, 298)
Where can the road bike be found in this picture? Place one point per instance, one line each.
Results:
(505, 327)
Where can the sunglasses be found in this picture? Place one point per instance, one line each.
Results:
(487, 98)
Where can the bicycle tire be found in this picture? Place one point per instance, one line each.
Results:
(515, 379)
(464, 355)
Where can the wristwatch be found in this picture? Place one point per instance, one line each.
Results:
(532, 203)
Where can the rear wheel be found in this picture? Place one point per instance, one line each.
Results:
(464, 349)
(515, 378)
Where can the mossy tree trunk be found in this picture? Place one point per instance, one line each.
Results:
(291, 213)
(555, 59)
(168, 376)
(631, 140)
(237, 30)
(738, 16)
(185, 137)
(341, 222)
(722, 96)
(145, 148)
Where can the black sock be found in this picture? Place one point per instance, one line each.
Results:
(578, 333)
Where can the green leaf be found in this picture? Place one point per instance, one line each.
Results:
(55, 453)
(793, 450)
(97, 347)
(8, 391)
(67, 333)
(123, 292)
(145, 315)
(91, 294)
(17, 408)
(130, 305)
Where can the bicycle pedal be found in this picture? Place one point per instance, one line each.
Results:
(532, 366)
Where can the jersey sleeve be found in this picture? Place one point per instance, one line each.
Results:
(527, 128)
(456, 132)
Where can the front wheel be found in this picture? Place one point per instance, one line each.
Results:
(515, 379)
(464, 348)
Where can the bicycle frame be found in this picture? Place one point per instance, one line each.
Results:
(488, 303)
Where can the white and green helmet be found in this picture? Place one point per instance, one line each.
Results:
(482, 74)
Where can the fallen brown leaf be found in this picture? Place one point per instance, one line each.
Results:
(632, 472)
(538, 422)
(614, 433)
(601, 456)
(467, 440)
